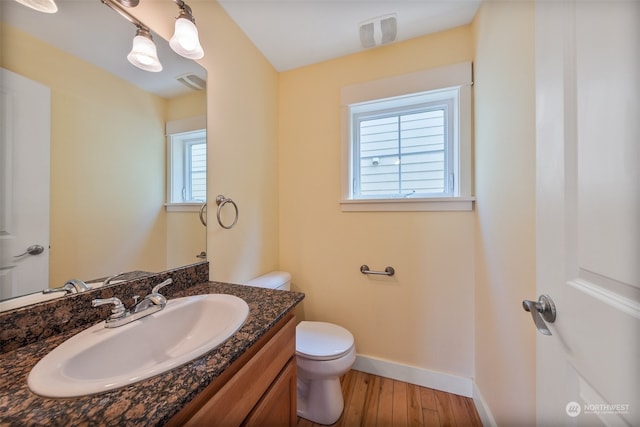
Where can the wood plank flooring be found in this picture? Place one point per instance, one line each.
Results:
(373, 401)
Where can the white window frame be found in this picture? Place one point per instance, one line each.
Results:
(386, 92)
(178, 134)
(446, 99)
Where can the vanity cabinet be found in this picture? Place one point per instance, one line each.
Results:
(258, 389)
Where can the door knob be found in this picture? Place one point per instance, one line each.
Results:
(31, 250)
(543, 309)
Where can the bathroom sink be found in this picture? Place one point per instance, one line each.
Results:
(99, 359)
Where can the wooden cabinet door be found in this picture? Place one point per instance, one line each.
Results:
(249, 385)
(278, 405)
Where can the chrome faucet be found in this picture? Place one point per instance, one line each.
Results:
(150, 304)
(72, 286)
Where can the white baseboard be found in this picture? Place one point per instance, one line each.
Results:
(414, 375)
(483, 409)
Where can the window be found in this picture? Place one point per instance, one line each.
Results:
(186, 164)
(188, 167)
(406, 148)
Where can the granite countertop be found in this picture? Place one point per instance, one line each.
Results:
(150, 402)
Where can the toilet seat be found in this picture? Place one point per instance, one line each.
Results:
(322, 341)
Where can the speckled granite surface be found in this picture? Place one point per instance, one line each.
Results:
(151, 402)
(26, 325)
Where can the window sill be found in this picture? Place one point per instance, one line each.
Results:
(442, 204)
(183, 207)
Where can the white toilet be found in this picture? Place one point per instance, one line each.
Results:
(324, 352)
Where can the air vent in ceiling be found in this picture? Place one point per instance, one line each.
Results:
(378, 31)
(192, 81)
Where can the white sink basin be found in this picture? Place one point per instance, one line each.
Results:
(99, 359)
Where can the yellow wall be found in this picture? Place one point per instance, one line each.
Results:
(107, 164)
(242, 136)
(193, 104)
(505, 209)
(242, 124)
(423, 316)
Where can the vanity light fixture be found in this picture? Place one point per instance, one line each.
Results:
(185, 40)
(46, 6)
(144, 54)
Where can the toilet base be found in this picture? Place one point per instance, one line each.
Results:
(319, 394)
(319, 391)
(320, 401)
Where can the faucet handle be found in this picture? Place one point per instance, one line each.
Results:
(159, 286)
(76, 285)
(110, 278)
(118, 309)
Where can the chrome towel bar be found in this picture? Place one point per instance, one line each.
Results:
(389, 271)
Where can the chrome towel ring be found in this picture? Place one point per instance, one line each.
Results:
(221, 201)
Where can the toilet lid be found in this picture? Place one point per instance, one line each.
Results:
(322, 340)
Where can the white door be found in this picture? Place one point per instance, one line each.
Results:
(24, 184)
(588, 211)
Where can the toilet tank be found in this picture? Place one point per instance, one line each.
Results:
(280, 280)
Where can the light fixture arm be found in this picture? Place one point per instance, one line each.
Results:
(126, 15)
(185, 11)
(143, 31)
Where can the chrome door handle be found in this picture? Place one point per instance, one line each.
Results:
(31, 250)
(543, 309)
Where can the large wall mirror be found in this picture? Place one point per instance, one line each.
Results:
(98, 186)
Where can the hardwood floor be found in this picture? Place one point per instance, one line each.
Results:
(373, 401)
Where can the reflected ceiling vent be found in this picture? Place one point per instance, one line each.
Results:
(378, 31)
(192, 81)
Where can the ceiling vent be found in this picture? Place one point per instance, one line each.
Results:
(192, 81)
(378, 31)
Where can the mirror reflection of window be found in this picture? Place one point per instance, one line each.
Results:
(187, 167)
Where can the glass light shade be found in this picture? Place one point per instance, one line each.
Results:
(185, 40)
(46, 6)
(144, 54)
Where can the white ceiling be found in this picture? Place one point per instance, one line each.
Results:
(294, 33)
(290, 33)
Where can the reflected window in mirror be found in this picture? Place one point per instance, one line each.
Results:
(187, 167)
